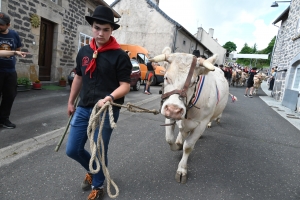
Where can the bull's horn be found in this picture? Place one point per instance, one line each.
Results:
(208, 65)
(159, 58)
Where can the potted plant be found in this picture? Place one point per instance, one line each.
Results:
(23, 84)
(62, 82)
(37, 85)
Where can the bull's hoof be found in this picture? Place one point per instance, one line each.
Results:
(180, 178)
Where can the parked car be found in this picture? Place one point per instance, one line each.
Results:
(141, 55)
(135, 77)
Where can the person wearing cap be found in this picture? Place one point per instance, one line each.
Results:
(10, 41)
(250, 82)
(102, 74)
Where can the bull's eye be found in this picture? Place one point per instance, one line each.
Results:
(166, 79)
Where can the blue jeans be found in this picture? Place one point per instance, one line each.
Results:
(78, 137)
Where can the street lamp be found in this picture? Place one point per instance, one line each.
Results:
(275, 4)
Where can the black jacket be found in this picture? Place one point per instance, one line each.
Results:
(113, 66)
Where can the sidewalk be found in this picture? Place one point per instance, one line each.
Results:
(279, 108)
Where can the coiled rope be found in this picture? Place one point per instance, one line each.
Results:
(94, 120)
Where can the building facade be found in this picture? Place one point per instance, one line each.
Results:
(52, 31)
(144, 23)
(286, 56)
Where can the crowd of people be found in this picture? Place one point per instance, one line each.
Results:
(234, 72)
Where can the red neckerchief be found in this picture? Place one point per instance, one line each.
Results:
(112, 44)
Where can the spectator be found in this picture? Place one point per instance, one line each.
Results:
(151, 66)
(8, 75)
(273, 76)
(250, 82)
(229, 74)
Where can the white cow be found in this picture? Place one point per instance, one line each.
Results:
(176, 107)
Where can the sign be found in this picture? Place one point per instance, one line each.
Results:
(257, 56)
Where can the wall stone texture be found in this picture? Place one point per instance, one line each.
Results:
(66, 16)
(286, 50)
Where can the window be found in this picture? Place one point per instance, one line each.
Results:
(183, 42)
(296, 80)
(135, 65)
(84, 40)
(141, 58)
(89, 13)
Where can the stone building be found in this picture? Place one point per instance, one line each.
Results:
(286, 56)
(144, 23)
(52, 31)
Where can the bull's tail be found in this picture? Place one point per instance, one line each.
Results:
(233, 98)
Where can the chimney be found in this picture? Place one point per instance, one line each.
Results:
(156, 2)
(211, 32)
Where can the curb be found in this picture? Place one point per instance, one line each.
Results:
(12, 153)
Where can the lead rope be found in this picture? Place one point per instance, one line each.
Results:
(95, 148)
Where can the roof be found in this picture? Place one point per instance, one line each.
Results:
(103, 3)
(166, 17)
(283, 15)
(172, 21)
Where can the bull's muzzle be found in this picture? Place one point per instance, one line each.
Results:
(173, 112)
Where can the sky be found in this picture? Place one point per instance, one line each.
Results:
(238, 21)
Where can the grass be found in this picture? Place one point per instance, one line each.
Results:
(53, 87)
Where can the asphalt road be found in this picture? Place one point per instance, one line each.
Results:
(253, 154)
(37, 112)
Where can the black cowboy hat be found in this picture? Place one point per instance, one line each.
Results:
(104, 14)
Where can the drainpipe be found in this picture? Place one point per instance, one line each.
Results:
(175, 38)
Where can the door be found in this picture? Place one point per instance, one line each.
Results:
(45, 50)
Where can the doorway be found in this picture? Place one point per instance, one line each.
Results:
(45, 50)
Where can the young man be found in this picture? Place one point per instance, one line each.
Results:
(9, 40)
(250, 82)
(102, 74)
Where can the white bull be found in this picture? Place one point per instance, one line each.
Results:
(193, 120)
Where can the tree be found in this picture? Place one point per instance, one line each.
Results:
(229, 46)
(254, 48)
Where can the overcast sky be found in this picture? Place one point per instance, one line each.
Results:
(239, 21)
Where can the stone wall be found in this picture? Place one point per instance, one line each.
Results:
(67, 16)
(286, 49)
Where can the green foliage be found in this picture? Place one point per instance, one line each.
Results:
(260, 63)
(254, 48)
(23, 81)
(230, 46)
